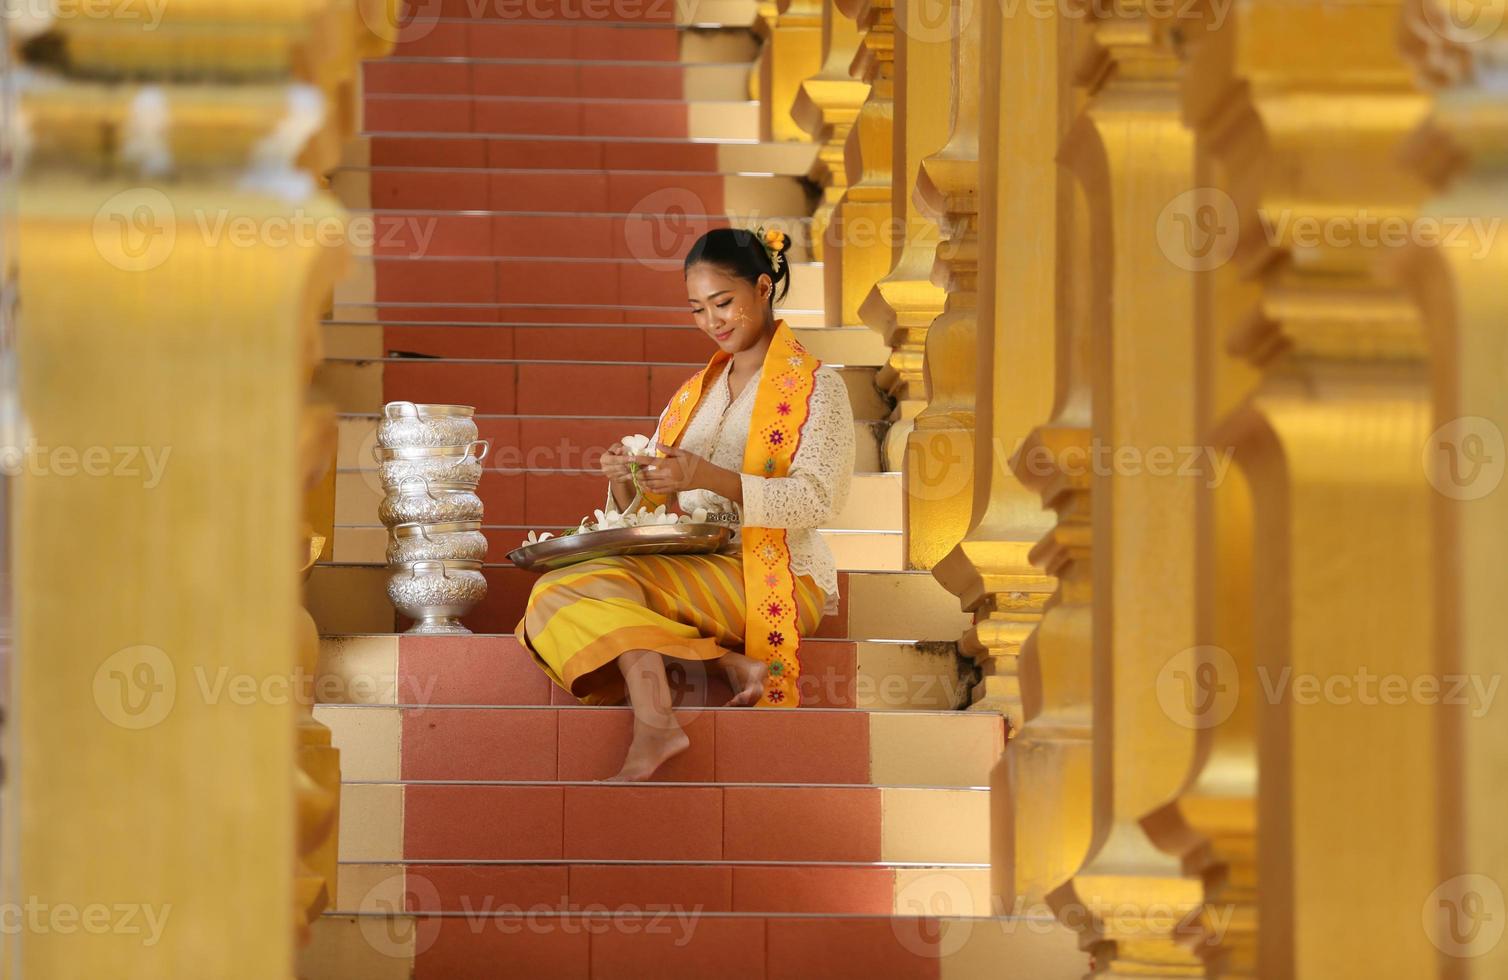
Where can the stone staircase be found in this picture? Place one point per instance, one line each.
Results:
(516, 176)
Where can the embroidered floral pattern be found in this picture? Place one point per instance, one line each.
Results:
(798, 418)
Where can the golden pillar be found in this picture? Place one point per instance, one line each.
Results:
(856, 248)
(904, 302)
(939, 458)
(1132, 155)
(170, 796)
(826, 106)
(1021, 121)
(1043, 809)
(1329, 442)
(792, 50)
(1455, 271)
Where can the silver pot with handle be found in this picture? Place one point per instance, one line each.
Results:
(420, 501)
(436, 594)
(411, 425)
(435, 464)
(454, 541)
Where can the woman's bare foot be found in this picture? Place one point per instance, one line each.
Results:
(652, 747)
(746, 676)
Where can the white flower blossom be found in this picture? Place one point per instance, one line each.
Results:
(637, 445)
(535, 537)
(697, 516)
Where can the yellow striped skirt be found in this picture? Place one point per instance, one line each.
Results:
(581, 618)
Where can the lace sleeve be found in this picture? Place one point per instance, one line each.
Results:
(816, 488)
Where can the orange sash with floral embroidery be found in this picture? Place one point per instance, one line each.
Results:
(781, 405)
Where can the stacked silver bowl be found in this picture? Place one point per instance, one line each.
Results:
(429, 460)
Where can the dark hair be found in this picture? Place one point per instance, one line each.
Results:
(740, 253)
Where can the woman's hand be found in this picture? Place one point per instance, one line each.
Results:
(616, 464)
(673, 472)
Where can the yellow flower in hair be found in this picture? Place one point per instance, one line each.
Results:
(775, 239)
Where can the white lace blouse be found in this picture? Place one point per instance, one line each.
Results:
(808, 497)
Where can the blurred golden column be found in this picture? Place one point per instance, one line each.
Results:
(174, 257)
(1133, 157)
(157, 662)
(855, 247)
(1331, 442)
(792, 50)
(1021, 115)
(826, 106)
(939, 458)
(1212, 824)
(903, 304)
(1456, 273)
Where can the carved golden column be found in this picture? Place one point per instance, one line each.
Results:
(905, 302)
(1021, 121)
(792, 32)
(173, 259)
(1043, 810)
(1456, 274)
(856, 245)
(1330, 442)
(939, 458)
(1132, 155)
(1212, 824)
(826, 106)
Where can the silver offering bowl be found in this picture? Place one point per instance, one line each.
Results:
(456, 541)
(437, 464)
(420, 501)
(407, 425)
(436, 594)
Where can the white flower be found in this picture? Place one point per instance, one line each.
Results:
(535, 537)
(637, 445)
(652, 518)
(607, 520)
(697, 516)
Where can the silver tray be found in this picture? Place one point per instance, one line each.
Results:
(660, 539)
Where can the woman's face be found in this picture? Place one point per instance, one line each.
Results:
(729, 310)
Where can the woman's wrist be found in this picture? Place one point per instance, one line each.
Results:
(723, 482)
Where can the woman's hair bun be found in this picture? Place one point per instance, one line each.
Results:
(746, 254)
